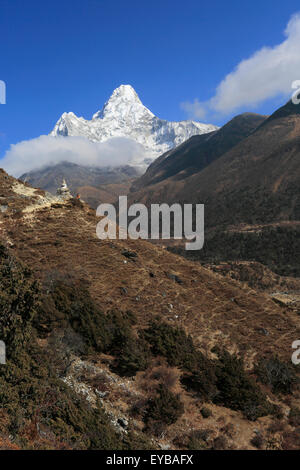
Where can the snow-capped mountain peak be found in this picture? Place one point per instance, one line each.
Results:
(124, 102)
(124, 115)
(124, 94)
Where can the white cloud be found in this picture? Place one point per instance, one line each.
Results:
(46, 150)
(267, 74)
(194, 110)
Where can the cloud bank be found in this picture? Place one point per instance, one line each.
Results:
(267, 74)
(46, 150)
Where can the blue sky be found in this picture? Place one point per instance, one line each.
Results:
(70, 54)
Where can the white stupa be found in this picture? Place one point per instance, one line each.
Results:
(64, 191)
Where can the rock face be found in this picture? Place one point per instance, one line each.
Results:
(124, 115)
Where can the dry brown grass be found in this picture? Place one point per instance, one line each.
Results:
(61, 241)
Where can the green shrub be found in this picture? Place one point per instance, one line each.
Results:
(179, 350)
(165, 407)
(69, 303)
(236, 390)
(220, 443)
(257, 441)
(18, 303)
(30, 392)
(132, 356)
(172, 343)
(291, 440)
(206, 412)
(294, 417)
(278, 375)
(198, 440)
(202, 381)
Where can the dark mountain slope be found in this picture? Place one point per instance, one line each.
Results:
(256, 181)
(199, 151)
(290, 109)
(251, 196)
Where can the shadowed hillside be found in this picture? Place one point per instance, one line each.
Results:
(250, 192)
(199, 151)
(256, 181)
